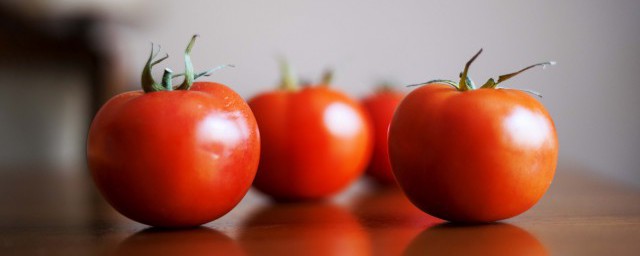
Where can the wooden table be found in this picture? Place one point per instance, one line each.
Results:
(47, 212)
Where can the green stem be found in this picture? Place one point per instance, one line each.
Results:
(493, 84)
(166, 79)
(188, 66)
(466, 83)
(146, 80)
(437, 81)
(150, 85)
(289, 82)
(206, 73)
(385, 86)
(327, 78)
(463, 84)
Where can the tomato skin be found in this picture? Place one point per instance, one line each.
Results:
(380, 107)
(315, 141)
(174, 158)
(475, 156)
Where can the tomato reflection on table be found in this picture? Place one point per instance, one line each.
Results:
(390, 219)
(197, 241)
(311, 228)
(487, 239)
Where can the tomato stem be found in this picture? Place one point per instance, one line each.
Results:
(150, 85)
(465, 84)
(147, 81)
(166, 79)
(437, 81)
(188, 66)
(493, 84)
(469, 81)
(206, 73)
(385, 86)
(327, 78)
(289, 81)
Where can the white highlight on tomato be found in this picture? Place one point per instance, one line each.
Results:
(222, 131)
(527, 128)
(342, 120)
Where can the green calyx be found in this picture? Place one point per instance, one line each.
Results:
(289, 81)
(466, 84)
(385, 86)
(150, 85)
(327, 78)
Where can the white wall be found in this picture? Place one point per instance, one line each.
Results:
(592, 93)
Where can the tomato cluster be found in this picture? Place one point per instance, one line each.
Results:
(181, 156)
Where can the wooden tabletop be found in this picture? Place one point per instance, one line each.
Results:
(48, 212)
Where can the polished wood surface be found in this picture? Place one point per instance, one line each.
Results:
(48, 212)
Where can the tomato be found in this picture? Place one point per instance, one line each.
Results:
(315, 141)
(174, 158)
(472, 155)
(380, 107)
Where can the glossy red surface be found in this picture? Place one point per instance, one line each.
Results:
(315, 142)
(174, 159)
(475, 156)
(380, 107)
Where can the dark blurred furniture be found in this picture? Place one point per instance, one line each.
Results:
(48, 40)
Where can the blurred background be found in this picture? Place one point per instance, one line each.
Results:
(61, 59)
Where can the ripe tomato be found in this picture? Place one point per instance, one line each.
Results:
(315, 141)
(174, 158)
(380, 107)
(472, 155)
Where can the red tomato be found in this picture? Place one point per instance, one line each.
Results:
(380, 107)
(472, 155)
(315, 141)
(174, 158)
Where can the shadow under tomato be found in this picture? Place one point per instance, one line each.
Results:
(312, 228)
(391, 220)
(197, 241)
(487, 239)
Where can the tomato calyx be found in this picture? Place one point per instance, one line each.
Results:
(466, 84)
(150, 85)
(385, 86)
(327, 78)
(290, 82)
